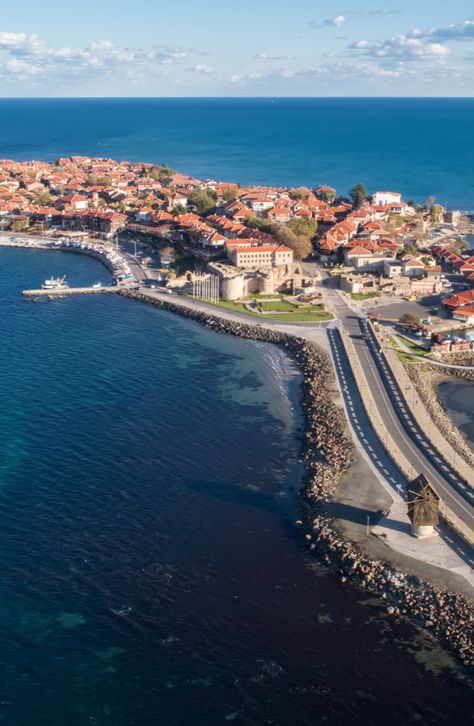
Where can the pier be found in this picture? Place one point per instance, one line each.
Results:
(61, 291)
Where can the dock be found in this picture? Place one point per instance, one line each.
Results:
(61, 291)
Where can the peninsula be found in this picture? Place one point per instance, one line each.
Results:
(333, 279)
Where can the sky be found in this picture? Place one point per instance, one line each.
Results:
(250, 48)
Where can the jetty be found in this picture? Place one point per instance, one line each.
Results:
(61, 291)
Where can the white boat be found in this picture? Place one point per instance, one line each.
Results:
(55, 283)
(96, 285)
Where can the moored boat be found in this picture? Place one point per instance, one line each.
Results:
(54, 283)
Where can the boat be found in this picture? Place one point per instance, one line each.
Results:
(55, 283)
(96, 285)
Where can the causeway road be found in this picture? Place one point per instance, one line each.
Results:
(389, 401)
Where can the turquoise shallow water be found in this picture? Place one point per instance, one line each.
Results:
(419, 147)
(151, 572)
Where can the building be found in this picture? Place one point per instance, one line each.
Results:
(383, 199)
(423, 506)
(464, 314)
(392, 268)
(460, 300)
(261, 256)
(364, 260)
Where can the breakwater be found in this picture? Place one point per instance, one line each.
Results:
(327, 453)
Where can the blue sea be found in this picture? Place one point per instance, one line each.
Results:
(420, 147)
(151, 568)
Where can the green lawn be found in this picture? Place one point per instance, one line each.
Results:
(236, 306)
(402, 354)
(407, 358)
(296, 316)
(364, 296)
(277, 306)
(262, 295)
(414, 347)
(299, 317)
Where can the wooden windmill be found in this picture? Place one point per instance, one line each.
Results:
(423, 506)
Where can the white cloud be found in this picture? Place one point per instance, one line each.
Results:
(203, 69)
(410, 47)
(334, 22)
(462, 31)
(22, 43)
(381, 11)
(25, 56)
(262, 55)
(333, 72)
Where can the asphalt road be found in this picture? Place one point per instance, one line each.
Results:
(369, 441)
(404, 430)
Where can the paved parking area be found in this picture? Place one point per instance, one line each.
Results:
(428, 306)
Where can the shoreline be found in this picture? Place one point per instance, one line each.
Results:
(453, 415)
(327, 454)
(426, 380)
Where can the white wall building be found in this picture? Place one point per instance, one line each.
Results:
(381, 199)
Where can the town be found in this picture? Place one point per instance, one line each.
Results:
(256, 246)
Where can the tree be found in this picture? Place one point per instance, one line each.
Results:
(154, 173)
(428, 203)
(460, 246)
(202, 201)
(18, 225)
(410, 319)
(303, 227)
(296, 234)
(230, 194)
(296, 194)
(300, 245)
(436, 213)
(328, 196)
(166, 171)
(358, 194)
(178, 209)
(43, 199)
(409, 250)
(98, 181)
(264, 225)
(157, 173)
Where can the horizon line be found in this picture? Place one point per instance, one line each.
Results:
(231, 98)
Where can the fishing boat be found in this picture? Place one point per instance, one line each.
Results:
(55, 283)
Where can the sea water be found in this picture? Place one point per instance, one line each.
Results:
(151, 572)
(419, 147)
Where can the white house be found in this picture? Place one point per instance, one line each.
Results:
(382, 199)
